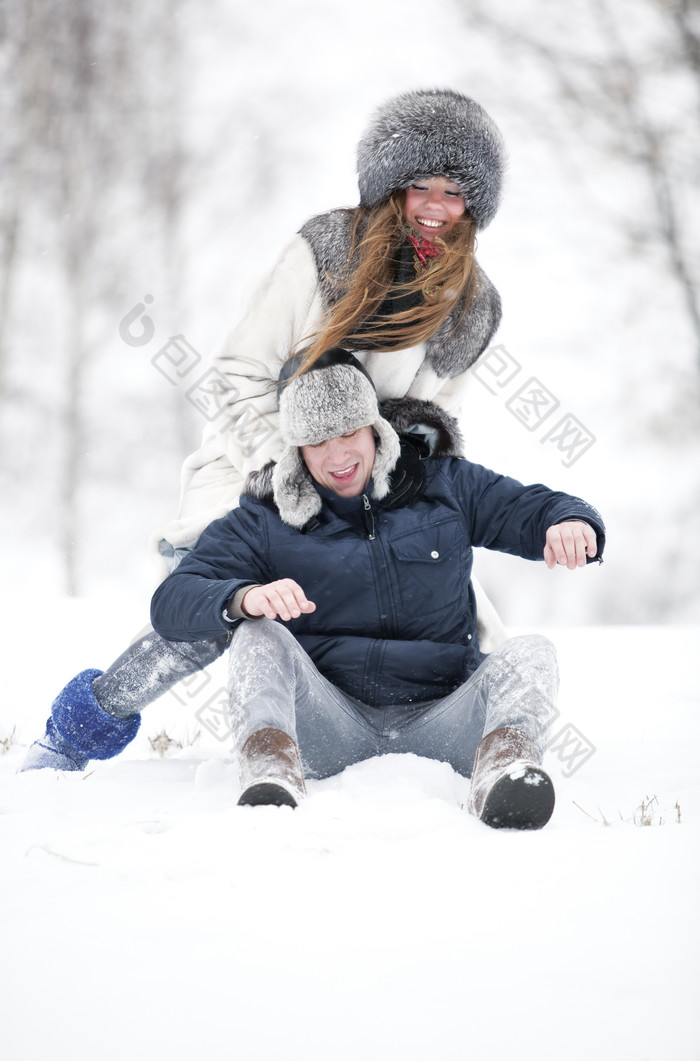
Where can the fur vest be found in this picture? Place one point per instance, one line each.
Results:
(460, 339)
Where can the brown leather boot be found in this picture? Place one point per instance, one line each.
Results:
(271, 770)
(510, 790)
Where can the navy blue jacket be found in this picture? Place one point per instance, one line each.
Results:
(395, 618)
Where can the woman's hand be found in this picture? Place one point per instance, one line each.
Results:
(569, 544)
(284, 598)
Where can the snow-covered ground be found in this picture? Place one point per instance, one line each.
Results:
(144, 915)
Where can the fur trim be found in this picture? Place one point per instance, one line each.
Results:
(80, 720)
(461, 338)
(433, 133)
(259, 483)
(329, 237)
(406, 413)
(387, 455)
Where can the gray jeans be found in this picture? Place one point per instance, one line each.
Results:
(273, 682)
(148, 668)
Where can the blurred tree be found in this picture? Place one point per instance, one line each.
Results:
(615, 68)
(90, 113)
(686, 15)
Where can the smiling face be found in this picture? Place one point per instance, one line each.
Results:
(433, 206)
(343, 464)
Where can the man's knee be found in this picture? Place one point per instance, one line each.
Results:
(526, 664)
(528, 650)
(262, 635)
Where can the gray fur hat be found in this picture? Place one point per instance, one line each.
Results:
(333, 397)
(433, 133)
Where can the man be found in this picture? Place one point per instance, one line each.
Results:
(345, 578)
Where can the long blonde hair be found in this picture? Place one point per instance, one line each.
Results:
(369, 278)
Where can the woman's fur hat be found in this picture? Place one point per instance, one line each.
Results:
(433, 133)
(333, 397)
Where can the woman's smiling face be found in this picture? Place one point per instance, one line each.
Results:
(433, 206)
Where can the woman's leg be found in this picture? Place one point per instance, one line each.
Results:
(96, 715)
(150, 667)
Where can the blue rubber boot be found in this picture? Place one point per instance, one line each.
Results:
(79, 730)
(52, 752)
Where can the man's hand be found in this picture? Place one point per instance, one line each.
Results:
(569, 544)
(284, 598)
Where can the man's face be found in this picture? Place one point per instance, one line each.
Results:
(342, 464)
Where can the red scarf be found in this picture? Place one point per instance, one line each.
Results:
(424, 250)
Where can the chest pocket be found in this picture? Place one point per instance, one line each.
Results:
(433, 566)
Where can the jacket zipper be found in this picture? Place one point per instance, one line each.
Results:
(384, 588)
(371, 675)
(369, 518)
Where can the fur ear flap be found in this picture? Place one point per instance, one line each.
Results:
(387, 454)
(293, 489)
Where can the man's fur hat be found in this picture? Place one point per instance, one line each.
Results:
(433, 133)
(333, 397)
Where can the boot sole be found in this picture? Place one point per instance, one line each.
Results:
(523, 801)
(266, 794)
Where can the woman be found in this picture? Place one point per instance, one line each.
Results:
(395, 280)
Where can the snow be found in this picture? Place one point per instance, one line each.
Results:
(145, 915)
